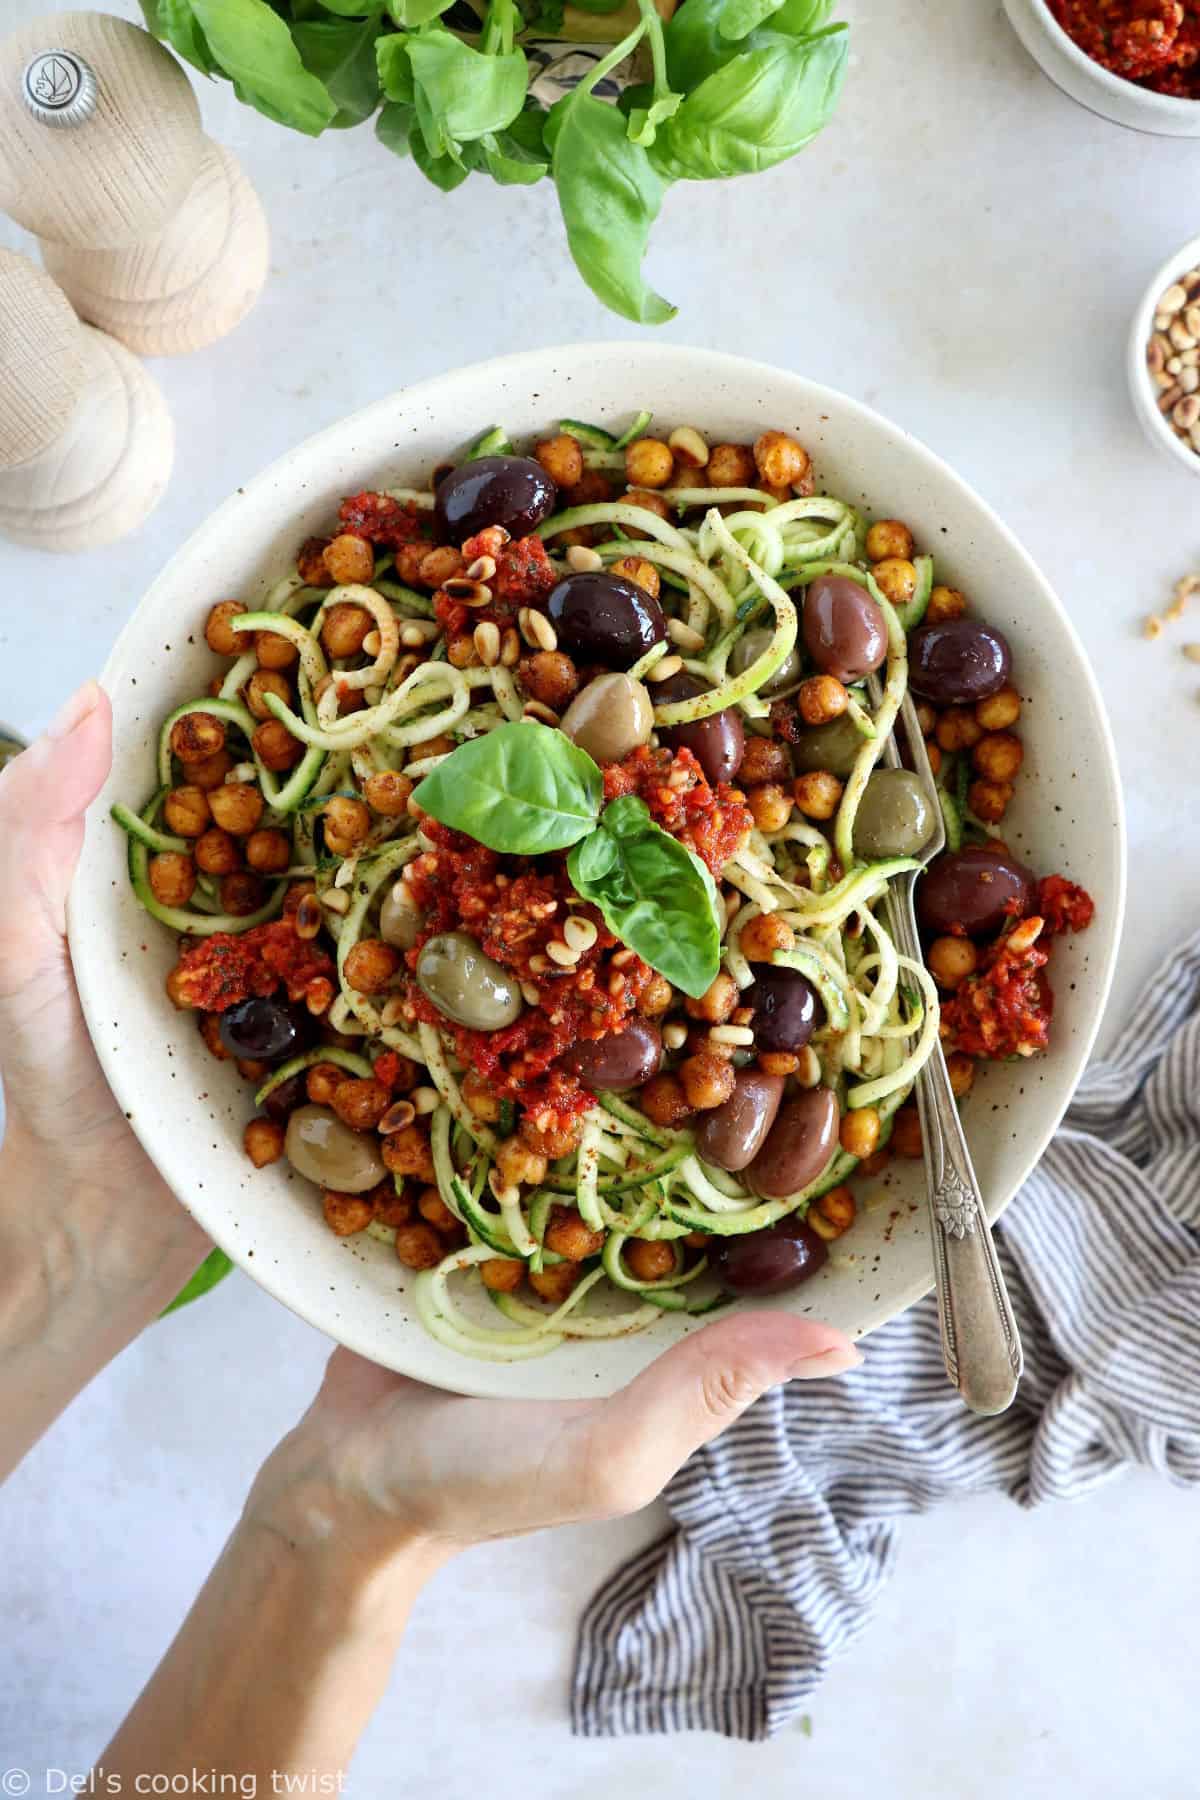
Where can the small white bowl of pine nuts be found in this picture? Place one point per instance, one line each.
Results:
(1164, 358)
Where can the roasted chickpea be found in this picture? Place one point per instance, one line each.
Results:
(274, 651)
(926, 718)
(360, 1101)
(888, 538)
(480, 1098)
(637, 569)
(648, 1259)
(951, 960)
(649, 502)
(933, 752)
(517, 1164)
(698, 1240)
(707, 1080)
(896, 578)
(567, 1235)
(591, 488)
(370, 965)
(778, 1062)
(387, 791)
(263, 1141)
(185, 810)
(268, 852)
(549, 676)
(832, 1214)
(251, 1069)
(435, 1212)
(218, 633)
(349, 558)
(391, 1208)
(999, 711)
(210, 1031)
(989, 800)
(876, 1163)
(344, 628)
(555, 1283)
(298, 891)
(761, 936)
(716, 1003)
(770, 806)
(657, 995)
(262, 683)
(780, 459)
(347, 823)
(407, 1152)
(664, 1102)
(241, 894)
(216, 853)
(197, 736)
(821, 698)
(764, 759)
(434, 746)
(906, 1132)
(998, 755)
(562, 458)
(859, 1131)
(557, 1137)
(957, 729)
(501, 1274)
(210, 771)
(346, 1214)
(172, 877)
(275, 746)
(236, 807)
(461, 652)
(945, 603)
(322, 1081)
(440, 564)
(731, 465)
(310, 563)
(961, 1070)
(818, 794)
(649, 463)
(419, 1247)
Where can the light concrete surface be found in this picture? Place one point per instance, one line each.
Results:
(962, 249)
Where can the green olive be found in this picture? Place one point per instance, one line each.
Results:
(400, 918)
(750, 647)
(610, 717)
(321, 1147)
(894, 818)
(833, 747)
(466, 985)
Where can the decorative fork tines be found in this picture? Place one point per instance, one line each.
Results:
(980, 1342)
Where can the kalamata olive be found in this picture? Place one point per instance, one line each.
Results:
(465, 984)
(750, 647)
(716, 742)
(785, 1005)
(833, 747)
(957, 662)
(261, 1028)
(767, 1262)
(400, 918)
(605, 619)
(894, 817)
(843, 628)
(283, 1100)
(610, 717)
(513, 491)
(623, 1059)
(320, 1147)
(799, 1144)
(978, 889)
(732, 1135)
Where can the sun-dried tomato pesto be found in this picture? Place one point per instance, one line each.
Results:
(1004, 1008)
(1155, 43)
(524, 576)
(381, 519)
(218, 971)
(712, 821)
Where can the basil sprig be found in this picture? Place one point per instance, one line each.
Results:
(524, 789)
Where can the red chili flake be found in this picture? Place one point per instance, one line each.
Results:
(381, 519)
(1063, 905)
(220, 970)
(1004, 1008)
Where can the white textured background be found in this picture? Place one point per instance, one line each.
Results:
(963, 248)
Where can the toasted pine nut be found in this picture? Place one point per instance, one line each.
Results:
(683, 635)
(336, 900)
(397, 1117)
(411, 636)
(689, 447)
(580, 934)
(740, 1036)
(318, 996)
(486, 639)
(665, 667)
(541, 631)
(562, 954)
(538, 964)
(308, 917)
(371, 644)
(425, 1099)
(345, 875)
(621, 959)
(543, 714)
(583, 560)
(809, 1072)
(241, 772)
(482, 569)
(1192, 652)
(470, 593)
(530, 994)
(674, 1035)
(393, 1010)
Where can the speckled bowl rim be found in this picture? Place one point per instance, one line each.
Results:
(377, 426)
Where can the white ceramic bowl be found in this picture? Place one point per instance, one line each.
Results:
(1142, 390)
(1072, 70)
(189, 1110)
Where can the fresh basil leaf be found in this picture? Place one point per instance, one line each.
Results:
(507, 161)
(755, 112)
(796, 17)
(598, 6)
(468, 93)
(645, 120)
(444, 170)
(341, 53)
(212, 1270)
(610, 195)
(522, 789)
(394, 124)
(655, 895)
(410, 14)
(254, 48)
(696, 46)
(395, 70)
(345, 9)
(175, 22)
(597, 857)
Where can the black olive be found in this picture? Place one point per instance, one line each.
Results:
(261, 1029)
(767, 1262)
(958, 662)
(605, 619)
(513, 491)
(716, 741)
(785, 1007)
(282, 1101)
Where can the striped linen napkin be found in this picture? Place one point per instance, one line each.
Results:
(785, 1527)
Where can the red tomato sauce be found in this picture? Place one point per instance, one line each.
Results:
(381, 519)
(711, 821)
(220, 970)
(1153, 42)
(524, 577)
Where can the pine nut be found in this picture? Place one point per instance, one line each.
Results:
(1173, 299)
(318, 996)
(674, 1035)
(1191, 320)
(541, 631)
(307, 918)
(621, 959)
(583, 560)
(808, 1074)
(664, 668)
(425, 1100)
(1179, 335)
(241, 772)
(542, 714)
(689, 447)
(1189, 380)
(580, 934)
(336, 900)
(397, 1117)
(530, 994)
(371, 643)
(1155, 355)
(1173, 364)
(538, 964)
(345, 875)
(1153, 626)
(469, 593)
(561, 954)
(1192, 652)
(1186, 414)
(740, 1036)
(486, 639)
(393, 1010)
(510, 648)
(411, 636)
(683, 635)
(482, 569)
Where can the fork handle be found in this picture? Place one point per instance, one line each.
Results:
(980, 1342)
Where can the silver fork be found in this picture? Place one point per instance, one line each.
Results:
(981, 1346)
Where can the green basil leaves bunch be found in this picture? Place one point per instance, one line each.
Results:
(524, 790)
(736, 86)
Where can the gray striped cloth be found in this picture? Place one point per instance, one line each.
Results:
(786, 1527)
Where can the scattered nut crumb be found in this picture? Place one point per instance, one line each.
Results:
(1153, 626)
(1192, 652)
